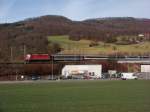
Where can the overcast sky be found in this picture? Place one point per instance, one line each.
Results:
(15, 10)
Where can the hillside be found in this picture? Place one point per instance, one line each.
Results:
(105, 28)
(32, 33)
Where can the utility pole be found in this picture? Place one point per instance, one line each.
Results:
(74, 54)
(11, 54)
(24, 52)
(52, 69)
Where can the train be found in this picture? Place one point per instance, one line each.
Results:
(48, 57)
(67, 57)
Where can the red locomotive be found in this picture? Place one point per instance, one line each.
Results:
(37, 57)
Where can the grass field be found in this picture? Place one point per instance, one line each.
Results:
(82, 47)
(76, 96)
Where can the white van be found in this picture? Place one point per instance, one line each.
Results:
(125, 76)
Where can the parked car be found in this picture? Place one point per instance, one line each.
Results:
(125, 76)
(35, 77)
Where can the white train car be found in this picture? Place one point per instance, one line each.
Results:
(91, 71)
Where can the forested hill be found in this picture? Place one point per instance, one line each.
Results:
(33, 32)
(105, 28)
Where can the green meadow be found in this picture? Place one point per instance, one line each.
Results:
(82, 47)
(76, 96)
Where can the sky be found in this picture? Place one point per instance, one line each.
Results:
(16, 10)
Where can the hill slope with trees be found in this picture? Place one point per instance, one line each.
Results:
(32, 33)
